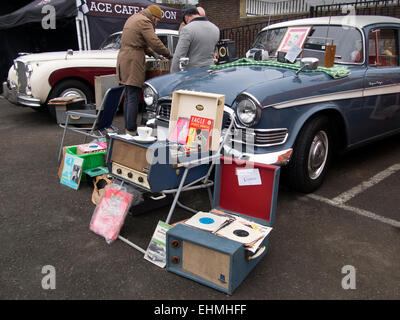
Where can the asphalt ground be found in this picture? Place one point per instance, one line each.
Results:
(314, 238)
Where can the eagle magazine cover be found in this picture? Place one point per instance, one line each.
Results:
(199, 135)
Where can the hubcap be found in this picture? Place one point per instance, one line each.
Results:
(318, 155)
(74, 92)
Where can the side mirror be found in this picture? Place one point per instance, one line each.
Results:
(308, 64)
(70, 52)
(183, 62)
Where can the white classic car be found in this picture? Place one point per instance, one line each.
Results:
(34, 79)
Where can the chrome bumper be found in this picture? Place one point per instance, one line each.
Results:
(279, 158)
(14, 97)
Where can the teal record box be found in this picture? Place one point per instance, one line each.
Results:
(216, 261)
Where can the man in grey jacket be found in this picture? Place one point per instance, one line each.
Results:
(197, 41)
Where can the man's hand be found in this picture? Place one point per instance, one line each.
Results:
(156, 55)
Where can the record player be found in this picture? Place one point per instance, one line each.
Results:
(216, 261)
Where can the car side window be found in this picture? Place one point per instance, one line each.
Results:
(383, 47)
(164, 39)
(174, 43)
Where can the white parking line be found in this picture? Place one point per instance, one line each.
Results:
(346, 196)
(340, 200)
(358, 211)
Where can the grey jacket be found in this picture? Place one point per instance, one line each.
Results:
(197, 42)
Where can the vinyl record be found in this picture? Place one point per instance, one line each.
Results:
(239, 232)
(206, 221)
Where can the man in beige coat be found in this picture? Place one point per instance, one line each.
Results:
(138, 39)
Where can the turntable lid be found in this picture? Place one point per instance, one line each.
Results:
(247, 188)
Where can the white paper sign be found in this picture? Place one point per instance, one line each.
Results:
(248, 177)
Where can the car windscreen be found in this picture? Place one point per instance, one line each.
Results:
(348, 41)
(113, 42)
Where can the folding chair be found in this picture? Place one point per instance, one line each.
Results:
(102, 119)
(203, 182)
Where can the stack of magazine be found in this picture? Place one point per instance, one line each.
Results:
(195, 133)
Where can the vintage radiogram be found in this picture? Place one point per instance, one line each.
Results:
(154, 167)
(219, 262)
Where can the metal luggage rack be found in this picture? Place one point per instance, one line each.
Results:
(200, 183)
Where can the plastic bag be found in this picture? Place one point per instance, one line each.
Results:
(109, 215)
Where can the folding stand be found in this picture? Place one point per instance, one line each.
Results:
(205, 181)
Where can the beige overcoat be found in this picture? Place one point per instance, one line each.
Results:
(138, 39)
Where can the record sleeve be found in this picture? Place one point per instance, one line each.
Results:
(239, 232)
(207, 221)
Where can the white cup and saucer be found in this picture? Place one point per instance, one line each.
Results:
(144, 135)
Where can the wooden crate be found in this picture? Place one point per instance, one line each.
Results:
(201, 104)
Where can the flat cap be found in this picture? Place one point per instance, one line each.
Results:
(155, 11)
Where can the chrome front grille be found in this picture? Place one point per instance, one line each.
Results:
(22, 80)
(255, 137)
(258, 137)
(164, 111)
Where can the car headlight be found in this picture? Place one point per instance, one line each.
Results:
(150, 97)
(248, 110)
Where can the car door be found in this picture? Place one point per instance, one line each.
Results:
(382, 81)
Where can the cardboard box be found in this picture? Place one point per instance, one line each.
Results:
(101, 85)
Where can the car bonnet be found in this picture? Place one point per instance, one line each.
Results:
(230, 81)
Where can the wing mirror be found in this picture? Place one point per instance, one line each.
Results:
(308, 63)
(70, 52)
(183, 62)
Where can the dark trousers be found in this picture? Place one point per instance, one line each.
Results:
(131, 107)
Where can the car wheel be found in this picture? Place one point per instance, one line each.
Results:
(311, 155)
(68, 88)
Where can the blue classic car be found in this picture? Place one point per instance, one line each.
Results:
(298, 117)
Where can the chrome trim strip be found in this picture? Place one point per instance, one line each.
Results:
(252, 97)
(149, 85)
(272, 158)
(351, 94)
(385, 89)
(28, 101)
(262, 144)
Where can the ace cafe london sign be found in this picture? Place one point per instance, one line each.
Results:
(116, 9)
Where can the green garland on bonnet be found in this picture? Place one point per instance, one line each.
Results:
(335, 72)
